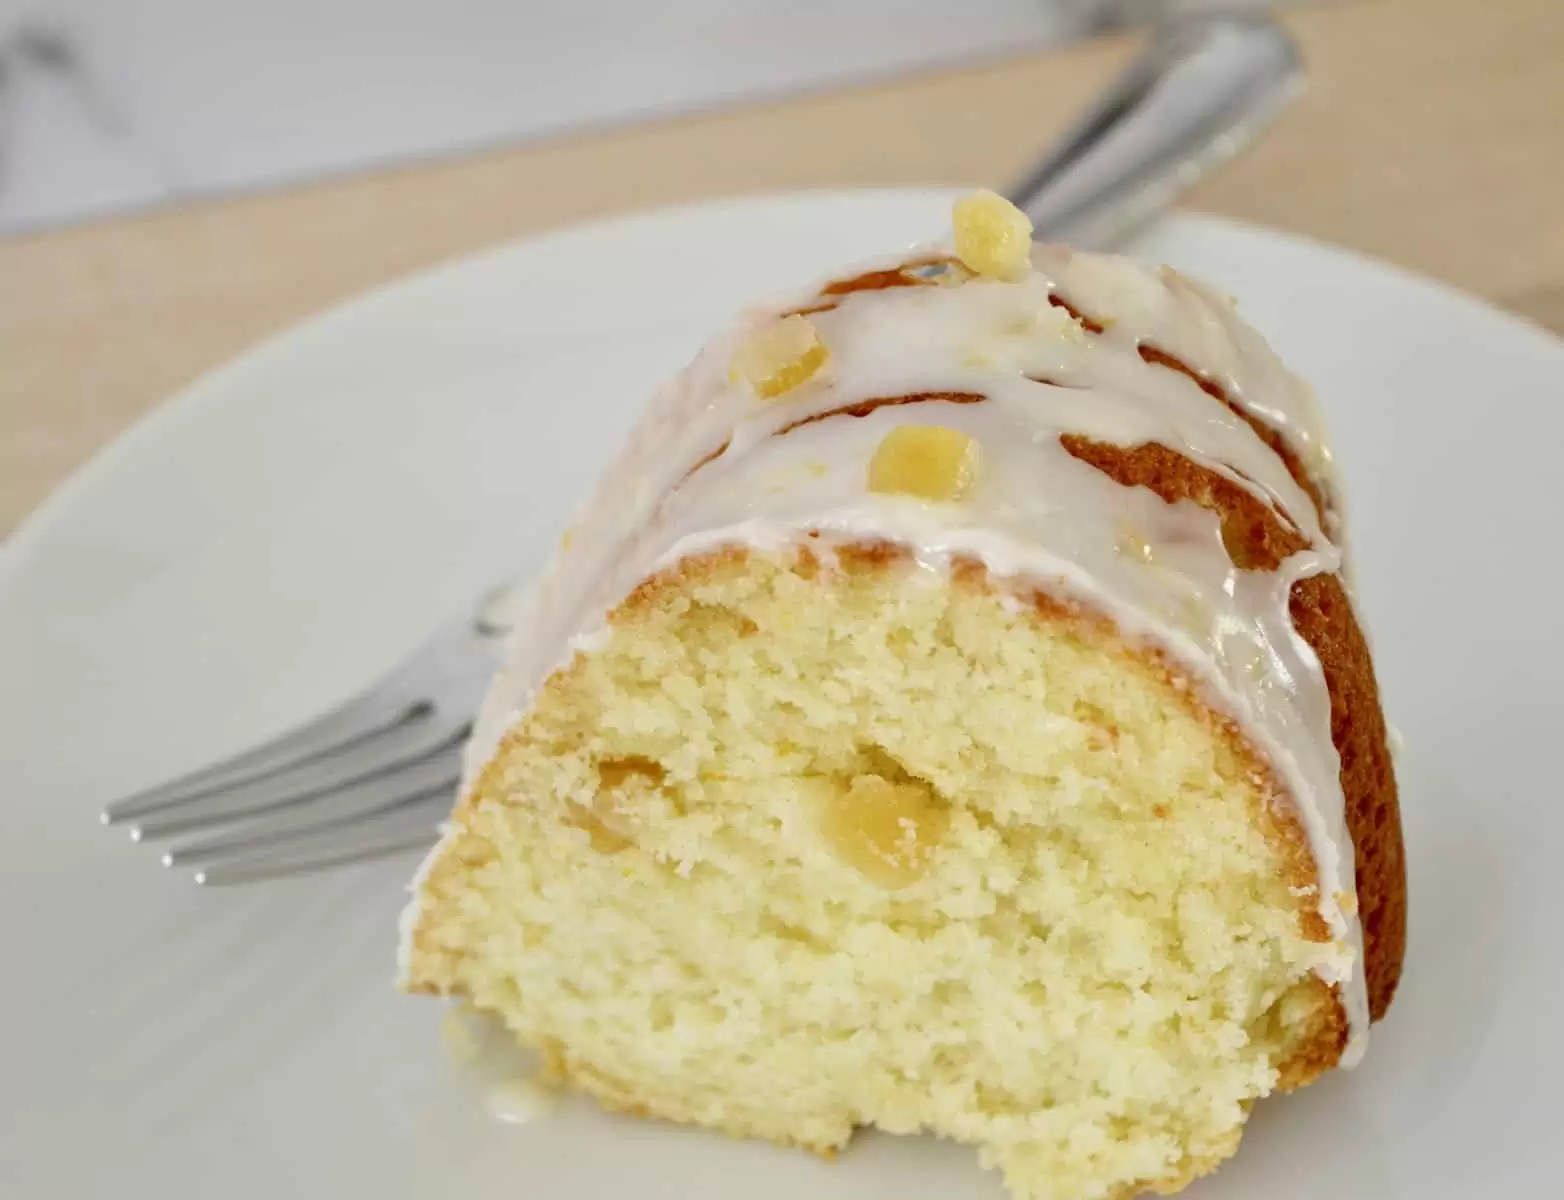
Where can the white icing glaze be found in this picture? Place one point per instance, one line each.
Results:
(1037, 517)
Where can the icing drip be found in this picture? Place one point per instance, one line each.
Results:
(1015, 366)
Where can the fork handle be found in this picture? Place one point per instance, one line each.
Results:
(1193, 98)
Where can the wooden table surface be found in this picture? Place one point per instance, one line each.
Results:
(1429, 135)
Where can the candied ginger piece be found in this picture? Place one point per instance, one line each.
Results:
(993, 236)
(887, 831)
(780, 357)
(927, 461)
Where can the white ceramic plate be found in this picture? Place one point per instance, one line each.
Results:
(277, 536)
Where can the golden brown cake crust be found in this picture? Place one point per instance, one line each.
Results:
(1322, 614)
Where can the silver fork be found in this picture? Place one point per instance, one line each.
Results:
(369, 778)
(376, 775)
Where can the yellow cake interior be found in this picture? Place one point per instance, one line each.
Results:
(812, 843)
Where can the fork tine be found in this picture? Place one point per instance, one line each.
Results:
(361, 760)
(437, 775)
(412, 826)
(357, 719)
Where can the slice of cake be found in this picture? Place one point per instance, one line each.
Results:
(949, 715)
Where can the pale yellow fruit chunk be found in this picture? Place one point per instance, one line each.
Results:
(780, 357)
(617, 778)
(927, 461)
(993, 236)
(887, 831)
